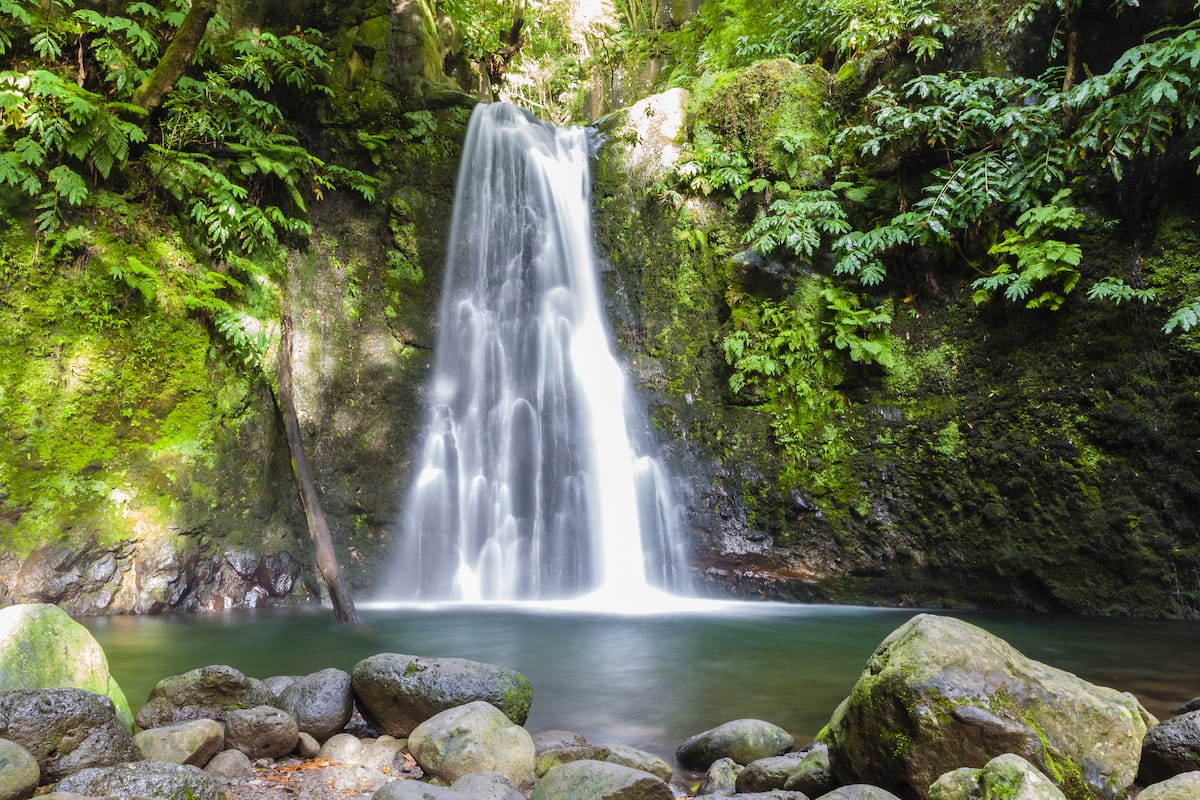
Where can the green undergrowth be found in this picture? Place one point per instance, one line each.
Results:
(113, 387)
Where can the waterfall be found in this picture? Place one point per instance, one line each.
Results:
(531, 482)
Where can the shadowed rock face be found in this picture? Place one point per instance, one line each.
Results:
(66, 730)
(939, 694)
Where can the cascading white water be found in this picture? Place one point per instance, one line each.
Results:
(530, 483)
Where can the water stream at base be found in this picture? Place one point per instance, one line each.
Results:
(531, 481)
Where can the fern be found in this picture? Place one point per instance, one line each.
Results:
(1185, 318)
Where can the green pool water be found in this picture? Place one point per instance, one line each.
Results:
(647, 680)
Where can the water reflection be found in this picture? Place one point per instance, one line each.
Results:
(649, 680)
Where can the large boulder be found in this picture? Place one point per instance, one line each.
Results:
(19, 771)
(939, 694)
(43, 648)
(1006, 777)
(599, 780)
(1171, 748)
(473, 738)
(743, 740)
(261, 732)
(1181, 787)
(321, 703)
(396, 692)
(204, 693)
(194, 742)
(66, 730)
(144, 779)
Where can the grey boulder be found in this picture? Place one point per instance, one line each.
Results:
(415, 790)
(144, 779)
(614, 754)
(65, 730)
(812, 775)
(229, 765)
(859, 791)
(487, 786)
(1006, 777)
(19, 771)
(939, 694)
(743, 740)
(261, 732)
(1182, 787)
(472, 738)
(1171, 748)
(206, 693)
(397, 692)
(599, 780)
(766, 774)
(321, 703)
(194, 742)
(721, 777)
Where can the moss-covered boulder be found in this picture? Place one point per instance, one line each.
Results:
(66, 730)
(43, 648)
(193, 743)
(1181, 787)
(939, 694)
(1006, 777)
(19, 771)
(206, 693)
(614, 754)
(144, 779)
(397, 692)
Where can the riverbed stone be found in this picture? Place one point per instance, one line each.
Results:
(210, 692)
(1170, 748)
(382, 753)
(470, 738)
(487, 785)
(194, 742)
(1182, 787)
(957, 784)
(321, 703)
(766, 774)
(144, 779)
(721, 777)
(43, 648)
(307, 746)
(812, 775)
(277, 683)
(19, 771)
(416, 790)
(65, 729)
(261, 732)
(600, 780)
(613, 754)
(229, 765)
(397, 692)
(343, 748)
(940, 693)
(859, 791)
(553, 739)
(743, 740)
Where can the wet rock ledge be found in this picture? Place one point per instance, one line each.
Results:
(942, 711)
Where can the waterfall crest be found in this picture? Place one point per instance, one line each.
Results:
(530, 482)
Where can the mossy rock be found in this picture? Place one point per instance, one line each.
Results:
(43, 648)
(939, 694)
(774, 111)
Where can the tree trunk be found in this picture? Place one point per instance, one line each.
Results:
(178, 56)
(318, 528)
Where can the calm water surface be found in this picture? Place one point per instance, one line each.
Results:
(648, 680)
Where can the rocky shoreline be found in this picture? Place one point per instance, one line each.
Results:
(942, 711)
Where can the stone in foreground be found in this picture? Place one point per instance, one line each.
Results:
(1181, 787)
(812, 776)
(415, 790)
(19, 771)
(396, 692)
(859, 791)
(144, 779)
(1006, 777)
(487, 786)
(66, 730)
(614, 754)
(599, 780)
(1171, 748)
(193, 743)
(743, 740)
(206, 693)
(261, 732)
(767, 774)
(721, 777)
(939, 694)
(43, 648)
(321, 703)
(473, 738)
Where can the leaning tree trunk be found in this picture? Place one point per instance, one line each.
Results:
(178, 56)
(318, 528)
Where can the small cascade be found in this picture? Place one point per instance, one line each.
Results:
(530, 483)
